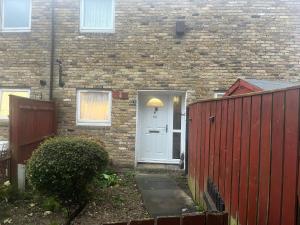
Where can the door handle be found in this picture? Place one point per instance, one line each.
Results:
(153, 131)
(167, 128)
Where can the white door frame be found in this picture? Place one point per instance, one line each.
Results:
(171, 93)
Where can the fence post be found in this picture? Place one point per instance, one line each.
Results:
(21, 177)
(187, 121)
(298, 211)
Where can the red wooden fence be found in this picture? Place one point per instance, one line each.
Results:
(189, 219)
(249, 147)
(31, 121)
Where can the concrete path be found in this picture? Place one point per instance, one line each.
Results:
(162, 196)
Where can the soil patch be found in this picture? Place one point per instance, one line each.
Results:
(27, 212)
(121, 202)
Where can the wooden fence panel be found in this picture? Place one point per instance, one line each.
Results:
(142, 222)
(222, 170)
(197, 152)
(277, 156)
(212, 140)
(206, 143)
(168, 221)
(254, 159)
(214, 219)
(290, 157)
(206, 218)
(194, 219)
(191, 155)
(202, 148)
(249, 149)
(243, 194)
(217, 142)
(236, 157)
(265, 159)
(228, 153)
(31, 122)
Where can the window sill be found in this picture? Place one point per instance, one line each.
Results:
(94, 125)
(98, 31)
(16, 30)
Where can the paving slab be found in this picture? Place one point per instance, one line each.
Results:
(162, 196)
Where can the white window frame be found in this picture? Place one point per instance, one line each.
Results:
(11, 90)
(99, 123)
(217, 93)
(15, 29)
(96, 30)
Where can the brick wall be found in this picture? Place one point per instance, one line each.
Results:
(24, 57)
(224, 40)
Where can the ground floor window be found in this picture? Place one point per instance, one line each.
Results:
(4, 99)
(93, 108)
(219, 94)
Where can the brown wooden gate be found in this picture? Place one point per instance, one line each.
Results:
(30, 122)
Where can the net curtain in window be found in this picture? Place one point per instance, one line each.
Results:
(16, 13)
(94, 106)
(98, 14)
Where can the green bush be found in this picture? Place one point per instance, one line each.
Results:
(63, 167)
(51, 204)
(106, 179)
(8, 192)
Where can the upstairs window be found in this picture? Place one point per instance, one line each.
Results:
(97, 15)
(16, 15)
(4, 99)
(93, 108)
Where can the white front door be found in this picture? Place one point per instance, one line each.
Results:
(154, 127)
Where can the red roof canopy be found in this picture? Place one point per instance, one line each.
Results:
(244, 86)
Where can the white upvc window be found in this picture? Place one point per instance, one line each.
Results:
(4, 99)
(93, 108)
(219, 94)
(97, 16)
(16, 15)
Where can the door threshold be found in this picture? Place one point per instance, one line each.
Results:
(158, 166)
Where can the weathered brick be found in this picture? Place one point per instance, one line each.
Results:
(223, 40)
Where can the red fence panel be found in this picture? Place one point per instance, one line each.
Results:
(197, 123)
(31, 121)
(206, 218)
(277, 156)
(254, 159)
(236, 157)
(206, 143)
(212, 140)
(201, 149)
(265, 158)
(290, 157)
(217, 139)
(248, 146)
(222, 170)
(228, 153)
(244, 169)
(194, 219)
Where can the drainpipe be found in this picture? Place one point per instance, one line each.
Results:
(52, 51)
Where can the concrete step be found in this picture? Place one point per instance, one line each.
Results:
(159, 168)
